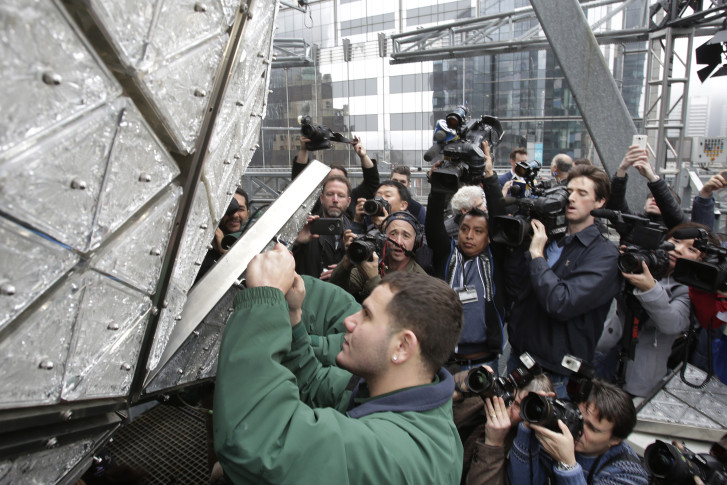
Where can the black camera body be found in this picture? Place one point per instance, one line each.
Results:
(376, 206)
(464, 160)
(549, 208)
(644, 241)
(546, 411)
(709, 274)
(667, 464)
(363, 247)
(485, 384)
(319, 135)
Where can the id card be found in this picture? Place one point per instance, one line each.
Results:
(466, 295)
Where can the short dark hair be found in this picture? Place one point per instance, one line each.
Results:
(337, 178)
(601, 182)
(474, 212)
(428, 307)
(341, 168)
(403, 191)
(615, 405)
(240, 191)
(518, 151)
(402, 170)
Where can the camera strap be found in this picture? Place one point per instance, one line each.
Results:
(341, 139)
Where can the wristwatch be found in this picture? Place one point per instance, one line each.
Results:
(565, 467)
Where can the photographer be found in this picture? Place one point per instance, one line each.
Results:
(663, 314)
(369, 171)
(403, 237)
(598, 456)
(467, 265)
(661, 206)
(703, 203)
(487, 428)
(561, 291)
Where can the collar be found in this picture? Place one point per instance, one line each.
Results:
(585, 236)
(420, 398)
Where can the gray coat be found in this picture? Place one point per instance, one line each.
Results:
(668, 311)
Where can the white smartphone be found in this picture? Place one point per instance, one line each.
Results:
(640, 140)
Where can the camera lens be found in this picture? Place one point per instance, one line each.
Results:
(630, 263)
(480, 380)
(660, 463)
(534, 408)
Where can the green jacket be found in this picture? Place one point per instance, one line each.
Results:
(278, 427)
(324, 308)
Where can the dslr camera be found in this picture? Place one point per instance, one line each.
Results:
(644, 241)
(483, 383)
(709, 274)
(376, 206)
(668, 464)
(549, 208)
(459, 139)
(546, 411)
(532, 187)
(363, 247)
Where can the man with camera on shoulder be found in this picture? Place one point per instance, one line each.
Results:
(561, 291)
(599, 455)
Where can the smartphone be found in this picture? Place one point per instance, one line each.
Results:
(640, 140)
(326, 226)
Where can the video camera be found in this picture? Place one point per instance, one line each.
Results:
(668, 464)
(709, 274)
(483, 383)
(531, 187)
(546, 411)
(644, 241)
(459, 139)
(320, 136)
(548, 208)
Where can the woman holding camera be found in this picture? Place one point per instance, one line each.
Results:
(663, 313)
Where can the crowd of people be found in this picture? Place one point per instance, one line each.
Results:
(369, 388)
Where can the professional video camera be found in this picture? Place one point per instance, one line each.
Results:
(644, 241)
(531, 186)
(320, 136)
(667, 464)
(709, 274)
(482, 382)
(459, 139)
(548, 208)
(376, 206)
(363, 247)
(546, 411)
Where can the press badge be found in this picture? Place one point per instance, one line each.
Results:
(466, 294)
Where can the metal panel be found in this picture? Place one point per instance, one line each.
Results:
(594, 89)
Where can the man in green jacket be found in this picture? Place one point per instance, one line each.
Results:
(281, 417)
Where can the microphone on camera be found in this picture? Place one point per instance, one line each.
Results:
(689, 233)
(435, 150)
(605, 213)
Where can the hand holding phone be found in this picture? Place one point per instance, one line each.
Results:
(326, 226)
(640, 141)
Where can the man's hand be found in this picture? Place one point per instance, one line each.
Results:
(370, 268)
(717, 182)
(506, 187)
(348, 237)
(361, 152)
(434, 166)
(304, 236)
(377, 220)
(540, 238)
(645, 169)
(302, 156)
(559, 446)
(359, 214)
(295, 297)
(326, 275)
(633, 154)
(498, 421)
(275, 269)
(489, 170)
(217, 241)
(643, 281)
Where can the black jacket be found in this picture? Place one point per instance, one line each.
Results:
(671, 213)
